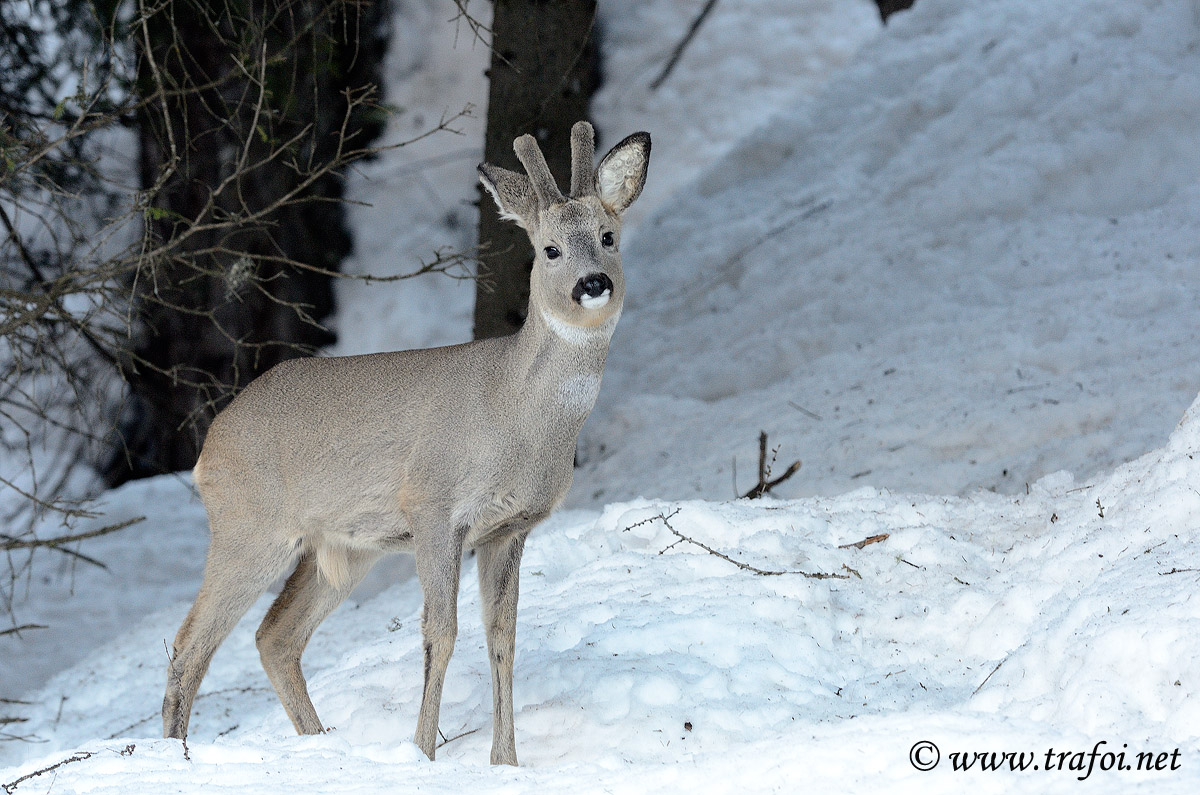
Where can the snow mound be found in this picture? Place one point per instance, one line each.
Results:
(675, 644)
(968, 263)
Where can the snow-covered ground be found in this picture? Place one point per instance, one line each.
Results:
(1038, 624)
(965, 267)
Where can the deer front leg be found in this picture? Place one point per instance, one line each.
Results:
(439, 561)
(499, 574)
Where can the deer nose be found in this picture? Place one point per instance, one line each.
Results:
(593, 290)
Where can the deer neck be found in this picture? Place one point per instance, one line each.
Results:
(561, 364)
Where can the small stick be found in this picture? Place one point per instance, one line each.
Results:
(763, 468)
(765, 484)
(11, 786)
(447, 740)
(18, 630)
(814, 415)
(989, 676)
(866, 541)
(746, 566)
(682, 45)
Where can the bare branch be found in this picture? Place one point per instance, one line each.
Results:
(666, 520)
(682, 45)
(765, 484)
(59, 541)
(11, 786)
(866, 541)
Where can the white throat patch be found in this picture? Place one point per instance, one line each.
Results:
(580, 335)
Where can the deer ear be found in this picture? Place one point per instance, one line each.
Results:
(513, 193)
(622, 173)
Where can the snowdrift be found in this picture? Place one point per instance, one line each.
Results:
(969, 262)
(1043, 622)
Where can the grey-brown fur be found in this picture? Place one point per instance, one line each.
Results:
(330, 463)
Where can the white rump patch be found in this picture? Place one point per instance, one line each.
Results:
(596, 301)
(578, 393)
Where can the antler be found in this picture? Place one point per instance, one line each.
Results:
(583, 155)
(539, 173)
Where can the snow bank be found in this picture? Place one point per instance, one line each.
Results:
(968, 263)
(1048, 620)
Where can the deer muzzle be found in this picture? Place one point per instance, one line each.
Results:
(593, 290)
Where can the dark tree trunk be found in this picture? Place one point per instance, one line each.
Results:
(544, 70)
(219, 307)
(889, 7)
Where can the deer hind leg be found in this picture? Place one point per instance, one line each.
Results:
(499, 572)
(240, 567)
(306, 600)
(439, 562)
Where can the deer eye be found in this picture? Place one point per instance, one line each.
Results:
(552, 252)
(607, 239)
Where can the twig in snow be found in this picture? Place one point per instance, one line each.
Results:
(447, 740)
(682, 45)
(1175, 571)
(125, 731)
(18, 630)
(740, 564)
(812, 414)
(765, 484)
(867, 541)
(655, 517)
(11, 786)
(989, 676)
(6, 720)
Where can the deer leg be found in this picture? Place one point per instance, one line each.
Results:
(499, 572)
(240, 567)
(439, 562)
(306, 600)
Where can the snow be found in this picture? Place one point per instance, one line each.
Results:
(958, 282)
(971, 257)
(982, 623)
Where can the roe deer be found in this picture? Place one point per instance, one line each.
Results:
(334, 462)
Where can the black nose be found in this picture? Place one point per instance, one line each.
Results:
(593, 285)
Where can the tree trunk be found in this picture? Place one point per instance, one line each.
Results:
(544, 70)
(253, 107)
